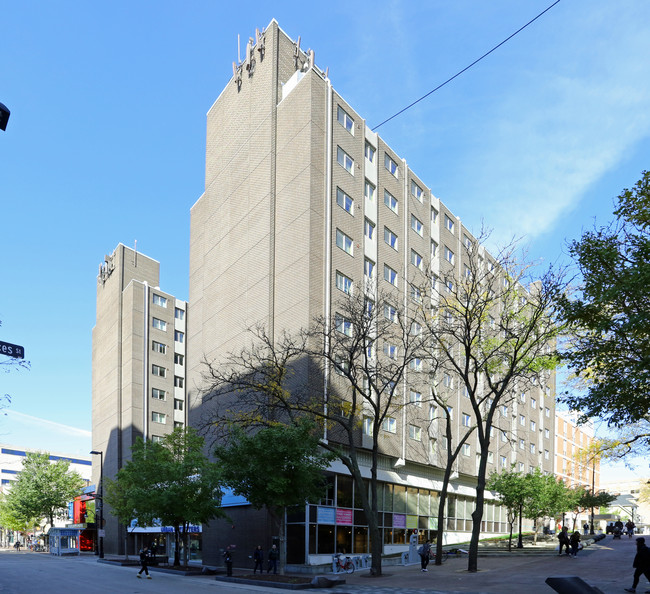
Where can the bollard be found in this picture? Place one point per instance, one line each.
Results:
(571, 584)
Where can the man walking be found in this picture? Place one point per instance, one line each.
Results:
(641, 564)
(144, 558)
(274, 555)
(563, 537)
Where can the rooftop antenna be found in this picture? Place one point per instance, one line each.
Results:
(238, 51)
(135, 254)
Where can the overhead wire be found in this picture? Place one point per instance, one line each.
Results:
(467, 67)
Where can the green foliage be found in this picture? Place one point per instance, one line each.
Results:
(43, 488)
(170, 482)
(277, 467)
(610, 345)
(548, 496)
(587, 499)
(11, 518)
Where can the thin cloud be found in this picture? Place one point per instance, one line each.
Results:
(38, 422)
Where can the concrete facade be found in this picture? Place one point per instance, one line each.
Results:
(298, 191)
(138, 362)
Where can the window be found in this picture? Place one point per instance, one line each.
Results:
(504, 436)
(416, 259)
(547, 412)
(367, 426)
(390, 165)
(158, 347)
(370, 152)
(468, 272)
(532, 448)
(178, 381)
(415, 364)
(345, 120)
(467, 420)
(390, 275)
(432, 412)
(343, 283)
(415, 433)
(533, 403)
(369, 229)
(179, 336)
(416, 329)
(340, 366)
(158, 394)
(390, 238)
(344, 201)
(465, 392)
(449, 223)
(522, 397)
(158, 417)
(533, 426)
(449, 255)
(390, 350)
(415, 397)
(447, 380)
(156, 438)
(159, 300)
(434, 248)
(416, 225)
(546, 454)
(416, 294)
(178, 424)
(159, 324)
(369, 268)
(390, 313)
(343, 325)
(504, 410)
(158, 370)
(522, 444)
(179, 314)
(344, 242)
(390, 425)
(521, 466)
(345, 160)
(503, 461)
(178, 404)
(547, 433)
(369, 191)
(416, 191)
(490, 457)
(390, 201)
(466, 449)
(449, 285)
(434, 215)
(179, 359)
(467, 241)
(450, 412)
(522, 420)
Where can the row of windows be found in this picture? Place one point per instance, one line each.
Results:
(161, 418)
(159, 347)
(159, 324)
(161, 301)
(160, 371)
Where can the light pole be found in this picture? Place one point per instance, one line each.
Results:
(100, 536)
(593, 492)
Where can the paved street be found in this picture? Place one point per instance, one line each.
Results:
(607, 565)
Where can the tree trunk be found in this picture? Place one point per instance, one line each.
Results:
(477, 514)
(177, 547)
(441, 512)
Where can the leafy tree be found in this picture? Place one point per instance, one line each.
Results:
(548, 497)
(43, 489)
(169, 482)
(11, 518)
(512, 493)
(493, 330)
(277, 467)
(610, 347)
(644, 495)
(362, 356)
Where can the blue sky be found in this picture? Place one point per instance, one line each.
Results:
(107, 136)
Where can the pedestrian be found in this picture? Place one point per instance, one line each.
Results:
(629, 527)
(563, 537)
(227, 557)
(258, 557)
(274, 555)
(575, 543)
(425, 554)
(154, 548)
(586, 528)
(144, 558)
(641, 563)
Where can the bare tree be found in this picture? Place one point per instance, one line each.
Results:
(494, 330)
(347, 372)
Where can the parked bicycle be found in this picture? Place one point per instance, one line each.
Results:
(443, 557)
(341, 565)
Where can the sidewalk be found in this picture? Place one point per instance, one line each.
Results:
(606, 565)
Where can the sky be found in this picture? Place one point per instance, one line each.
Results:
(106, 142)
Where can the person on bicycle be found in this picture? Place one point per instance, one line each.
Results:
(425, 554)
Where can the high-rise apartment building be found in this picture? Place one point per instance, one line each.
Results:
(573, 462)
(138, 361)
(302, 201)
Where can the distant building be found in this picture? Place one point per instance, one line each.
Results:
(11, 463)
(628, 503)
(138, 367)
(572, 462)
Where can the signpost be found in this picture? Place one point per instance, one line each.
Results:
(12, 350)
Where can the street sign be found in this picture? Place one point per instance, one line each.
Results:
(12, 350)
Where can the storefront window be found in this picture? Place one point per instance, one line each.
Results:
(344, 539)
(399, 499)
(360, 540)
(343, 491)
(412, 501)
(423, 506)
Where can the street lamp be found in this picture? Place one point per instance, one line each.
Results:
(100, 529)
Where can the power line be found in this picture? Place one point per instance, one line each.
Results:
(467, 67)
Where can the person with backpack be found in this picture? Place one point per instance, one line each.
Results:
(425, 554)
(574, 541)
(144, 558)
(563, 537)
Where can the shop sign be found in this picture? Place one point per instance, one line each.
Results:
(325, 515)
(344, 516)
(411, 522)
(399, 521)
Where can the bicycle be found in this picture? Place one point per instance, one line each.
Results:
(346, 565)
(443, 557)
